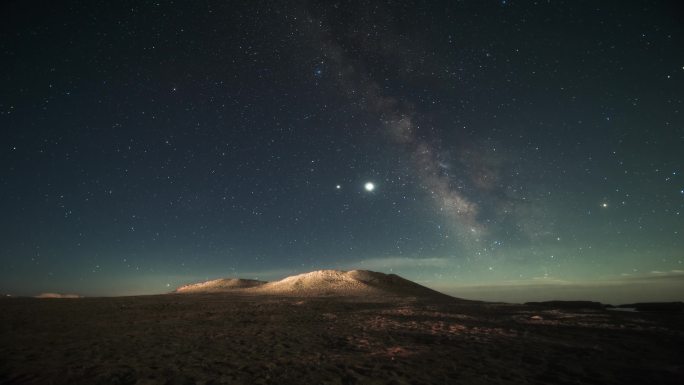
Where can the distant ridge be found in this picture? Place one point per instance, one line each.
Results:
(666, 307)
(322, 283)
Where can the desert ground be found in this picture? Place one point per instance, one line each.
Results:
(246, 338)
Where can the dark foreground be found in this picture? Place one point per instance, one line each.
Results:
(222, 339)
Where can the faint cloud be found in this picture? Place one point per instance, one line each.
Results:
(398, 263)
(655, 286)
(547, 280)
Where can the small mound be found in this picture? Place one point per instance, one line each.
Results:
(57, 295)
(219, 285)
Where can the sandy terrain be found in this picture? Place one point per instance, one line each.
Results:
(238, 338)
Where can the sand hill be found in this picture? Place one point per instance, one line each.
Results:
(219, 285)
(323, 283)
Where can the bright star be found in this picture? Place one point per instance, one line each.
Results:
(369, 186)
(338, 187)
(604, 204)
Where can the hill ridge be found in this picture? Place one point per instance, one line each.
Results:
(321, 283)
(218, 285)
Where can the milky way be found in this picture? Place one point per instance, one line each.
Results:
(397, 119)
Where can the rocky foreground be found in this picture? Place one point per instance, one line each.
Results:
(224, 338)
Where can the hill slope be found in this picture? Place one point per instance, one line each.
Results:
(219, 285)
(355, 283)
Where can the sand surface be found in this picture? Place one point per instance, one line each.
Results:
(246, 339)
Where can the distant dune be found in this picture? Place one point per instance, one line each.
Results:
(669, 307)
(219, 285)
(57, 295)
(568, 304)
(355, 283)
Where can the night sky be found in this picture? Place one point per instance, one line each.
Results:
(483, 148)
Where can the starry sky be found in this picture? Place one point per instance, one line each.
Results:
(504, 150)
